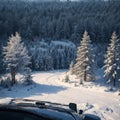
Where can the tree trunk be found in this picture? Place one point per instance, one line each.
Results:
(114, 82)
(13, 77)
(85, 76)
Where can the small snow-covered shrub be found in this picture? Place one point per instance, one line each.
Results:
(76, 84)
(88, 106)
(71, 68)
(65, 78)
(5, 81)
(81, 81)
(28, 77)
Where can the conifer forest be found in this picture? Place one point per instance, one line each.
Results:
(52, 31)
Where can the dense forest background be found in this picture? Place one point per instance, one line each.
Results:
(42, 24)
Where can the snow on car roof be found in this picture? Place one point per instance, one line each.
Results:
(5, 101)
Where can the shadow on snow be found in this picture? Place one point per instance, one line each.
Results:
(21, 91)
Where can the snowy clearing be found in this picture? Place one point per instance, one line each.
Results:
(90, 97)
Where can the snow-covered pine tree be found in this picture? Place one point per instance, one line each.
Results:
(84, 67)
(112, 60)
(71, 68)
(15, 56)
(28, 76)
(66, 78)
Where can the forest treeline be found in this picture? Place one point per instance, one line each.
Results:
(52, 21)
(59, 20)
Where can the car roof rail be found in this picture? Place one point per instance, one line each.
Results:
(19, 101)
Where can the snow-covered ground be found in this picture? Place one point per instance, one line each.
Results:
(91, 97)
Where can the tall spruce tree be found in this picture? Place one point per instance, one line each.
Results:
(112, 60)
(15, 56)
(84, 67)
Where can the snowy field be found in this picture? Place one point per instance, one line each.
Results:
(93, 98)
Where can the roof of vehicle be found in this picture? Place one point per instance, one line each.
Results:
(42, 108)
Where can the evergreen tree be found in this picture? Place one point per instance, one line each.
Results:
(112, 60)
(84, 67)
(67, 78)
(15, 56)
(28, 76)
(71, 68)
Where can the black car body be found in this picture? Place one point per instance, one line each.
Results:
(25, 109)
